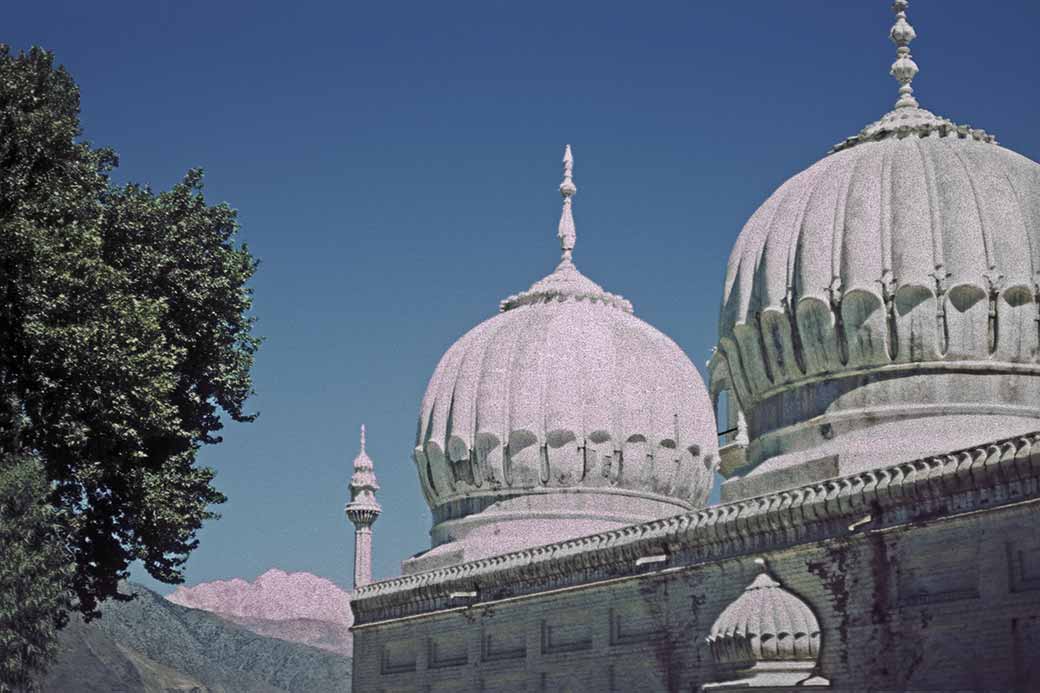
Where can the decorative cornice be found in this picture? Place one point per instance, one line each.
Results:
(565, 282)
(916, 122)
(1004, 471)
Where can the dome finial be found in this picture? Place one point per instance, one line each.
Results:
(362, 437)
(908, 117)
(567, 233)
(904, 68)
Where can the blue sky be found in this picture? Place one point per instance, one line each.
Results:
(395, 167)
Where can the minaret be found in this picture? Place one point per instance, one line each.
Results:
(363, 510)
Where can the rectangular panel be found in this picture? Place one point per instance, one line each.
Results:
(1025, 635)
(448, 650)
(398, 656)
(566, 632)
(636, 622)
(1024, 565)
(938, 566)
(503, 642)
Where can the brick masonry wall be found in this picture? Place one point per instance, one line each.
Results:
(944, 605)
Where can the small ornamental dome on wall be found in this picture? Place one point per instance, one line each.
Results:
(768, 637)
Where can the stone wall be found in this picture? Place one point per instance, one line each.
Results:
(948, 604)
(924, 575)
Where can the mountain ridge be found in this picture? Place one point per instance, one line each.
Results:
(298, 607)
(151, 644)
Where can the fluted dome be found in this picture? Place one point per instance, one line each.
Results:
(884, 301)
(767, 636)
(569, 391)
(562, 415)
(766, 622)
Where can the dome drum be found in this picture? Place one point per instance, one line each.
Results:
(850, 420)
(488, 525)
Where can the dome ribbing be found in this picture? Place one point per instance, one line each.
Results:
(886, 296)
(565, 410)
(767, 637)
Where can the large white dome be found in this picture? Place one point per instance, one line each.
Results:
(884, 301)
(562, 415)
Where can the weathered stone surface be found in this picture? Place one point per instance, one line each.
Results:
(884, 301)
(893, 563)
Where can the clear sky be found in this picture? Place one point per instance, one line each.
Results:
(395, 166)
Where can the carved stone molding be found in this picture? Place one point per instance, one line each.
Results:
(1002, 472)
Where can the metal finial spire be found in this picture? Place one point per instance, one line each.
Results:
(362, 437)
(566, 233)
(904, 68)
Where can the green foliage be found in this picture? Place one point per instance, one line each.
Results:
(124, 334)
(34, 572)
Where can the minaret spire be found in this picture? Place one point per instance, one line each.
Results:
(904, 69)
(362, 510)
(567, 234)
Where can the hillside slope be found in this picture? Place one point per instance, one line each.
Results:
(151, 644)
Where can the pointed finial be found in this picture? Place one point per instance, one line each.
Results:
(904, 68)
(362, 437)
(567, 233)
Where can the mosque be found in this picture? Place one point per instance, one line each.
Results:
(877, 388)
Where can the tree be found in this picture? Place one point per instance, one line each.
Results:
(35, 571)
(125, 334)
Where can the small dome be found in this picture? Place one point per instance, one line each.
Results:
(564, 408)
(765, 623)
(887, 293)
(767, 636)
